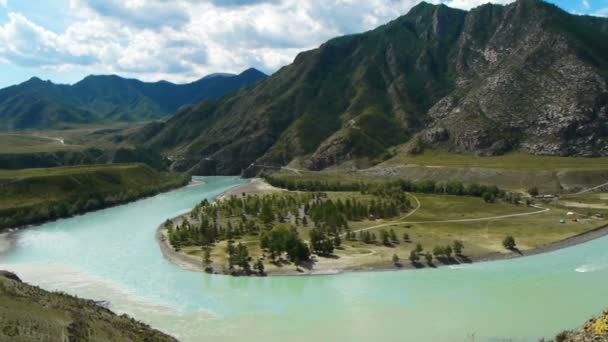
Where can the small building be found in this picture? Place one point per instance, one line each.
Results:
(599, 215)
(562, 221)
(570, 213)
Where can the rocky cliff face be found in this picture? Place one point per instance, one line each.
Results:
(526, 76)
(530, 85)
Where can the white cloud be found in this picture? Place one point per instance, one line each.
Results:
(3, 2)
(182, 40)
(603, 12)
(468, 4)
(586, 4)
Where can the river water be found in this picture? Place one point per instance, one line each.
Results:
(112, 255)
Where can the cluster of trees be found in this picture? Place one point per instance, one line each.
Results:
(238, 256)
(447, 251)
(439, 252)
(252, 214)
(337, 213)
(488, 192)
(279, 240)
(322, 242)
(387, 237)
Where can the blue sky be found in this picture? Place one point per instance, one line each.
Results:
(183, 40)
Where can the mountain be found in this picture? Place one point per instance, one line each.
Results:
(32, 314)
(527, 76)
(42, 104)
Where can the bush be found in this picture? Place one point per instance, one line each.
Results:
(509, 242)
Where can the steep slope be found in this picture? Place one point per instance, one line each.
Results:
(42, 104)
(30, 196)
(29, 313)
(525, 76)
(538, 83)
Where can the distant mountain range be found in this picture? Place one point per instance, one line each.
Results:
(526, 76)
(43, 104)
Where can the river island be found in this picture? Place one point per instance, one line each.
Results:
(310, 225)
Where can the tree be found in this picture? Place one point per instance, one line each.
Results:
(458, 246)
(414, 257)
(266, 215)
(488, 197)
(320, 242)
(509, 242)
(418, 248)
(406, 237)
(395, 259)
(393, 236)
(337, 240)
(304, 221)
(429, 258)
(533, 191)
(230, 250)
(438, 251)
(206, 257)
(448, 251)
(298, 251)
(242, 257)
(259, 265)
(384, 236)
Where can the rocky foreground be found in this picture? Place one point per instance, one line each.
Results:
(594, 330)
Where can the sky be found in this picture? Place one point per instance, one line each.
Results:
(184, 40)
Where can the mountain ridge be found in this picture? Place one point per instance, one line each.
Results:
(41, 104)
(526, 76)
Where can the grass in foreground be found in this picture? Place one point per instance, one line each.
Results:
(29, 313)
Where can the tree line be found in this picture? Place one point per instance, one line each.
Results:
(488, 192)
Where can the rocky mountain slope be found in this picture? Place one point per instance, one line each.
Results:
(43, 104)
(28, 313)
(526, 76)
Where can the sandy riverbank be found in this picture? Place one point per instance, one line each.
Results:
(327, 266)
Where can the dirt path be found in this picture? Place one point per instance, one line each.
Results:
(400, 220)
(591, 189)
(397, 221)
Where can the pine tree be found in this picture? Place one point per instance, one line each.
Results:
(395, 259)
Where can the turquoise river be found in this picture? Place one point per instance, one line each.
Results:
(112, 255)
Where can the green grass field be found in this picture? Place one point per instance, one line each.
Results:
(29, 143)
(514, 160)
(75, 138)
(35, 195)
(513, 171)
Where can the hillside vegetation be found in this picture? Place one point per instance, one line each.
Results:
(527, 76)
(30, 196)
(594, 330)
(28, 313)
